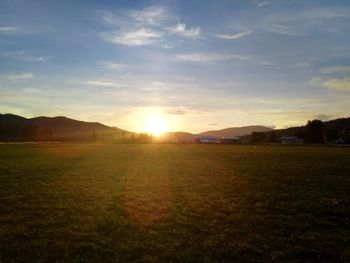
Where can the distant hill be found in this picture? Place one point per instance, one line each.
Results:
(332, 131)
(228, 132)
(236, 131)
(17, 128)
(178, 137)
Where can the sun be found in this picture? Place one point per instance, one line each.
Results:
(155, 125)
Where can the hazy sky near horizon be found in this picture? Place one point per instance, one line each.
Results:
(203, 64)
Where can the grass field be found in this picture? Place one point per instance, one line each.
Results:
(174, 203)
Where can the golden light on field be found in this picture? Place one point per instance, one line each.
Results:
(156, 125)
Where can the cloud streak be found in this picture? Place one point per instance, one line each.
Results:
(24, 29)
(101, 83)
(298, 23)
(176, 111)
(336, 69)
(113, 65)
(149, 26)
(235, 36)
(14, 77)
(209, 57)
(139, 37)
(182, 30)
(338, 84)
(8, 29)
(25, 56)
(265, 3)
(150, 15)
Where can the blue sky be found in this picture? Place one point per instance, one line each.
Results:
(201, 64)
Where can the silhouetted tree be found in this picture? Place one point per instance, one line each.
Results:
(301, 133)
(331, 135)
(272, 137)
(345, 135)
(258, 137)
(315, 131)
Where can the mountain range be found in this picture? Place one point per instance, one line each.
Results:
(236, 131)
(223, 133)
(18, 128)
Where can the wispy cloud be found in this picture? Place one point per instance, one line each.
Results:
(24, 29)
(25, 55)
(209, 57)
(139, 37)
(323, 117)
(264, 3)
(315, 81)
(338, 84)
(235, 36)
(155, 85)
(149, 15)
(303, 64)
(113, 65)
(283, 29)
(301, 22)
(176, 110)
(134, 28)
(336, 69)
(332, 84)
(101, 83)
(8, 29)
(42, 59)
(14, 77)
(182, 30)
(149, 26)
(261, 3)
(327, 13)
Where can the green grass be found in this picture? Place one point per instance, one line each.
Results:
(174, 203)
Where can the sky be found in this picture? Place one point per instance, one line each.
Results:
(201, 65)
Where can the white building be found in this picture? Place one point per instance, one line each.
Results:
(207, 139)
(290, 140)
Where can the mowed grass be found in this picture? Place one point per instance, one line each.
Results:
(174, 203)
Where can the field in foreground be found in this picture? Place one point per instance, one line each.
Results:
(179, 203)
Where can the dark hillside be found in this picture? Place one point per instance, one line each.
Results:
(17, 128)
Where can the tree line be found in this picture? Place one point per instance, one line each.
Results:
(314, 132)
(10, 132)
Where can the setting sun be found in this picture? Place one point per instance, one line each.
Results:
(155, 125)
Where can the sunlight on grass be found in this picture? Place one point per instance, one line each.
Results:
(162, 203)
(147, 192)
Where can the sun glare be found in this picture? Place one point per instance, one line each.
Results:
(155, 125)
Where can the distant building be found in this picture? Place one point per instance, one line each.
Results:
(230, 140)
(290, 140)
(207, 139)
